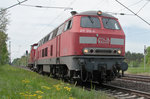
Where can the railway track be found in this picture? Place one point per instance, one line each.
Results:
(139, 78)
(116, 91)
(131, 87)
(128, 87)
(125, 93)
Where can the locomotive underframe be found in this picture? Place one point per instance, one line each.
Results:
(95, 68)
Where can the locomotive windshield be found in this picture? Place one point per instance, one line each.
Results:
(90, 22)
(110, 24)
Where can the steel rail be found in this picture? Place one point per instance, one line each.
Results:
(137, 76)
(127, 89)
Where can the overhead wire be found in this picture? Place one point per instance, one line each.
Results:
(100, 3)
(143, 7)
(38, 6)
(114, 13)
(13, 5)
(133, 12)
(59, 15)
(132, 4)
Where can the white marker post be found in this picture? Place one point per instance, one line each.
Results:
(144, 55)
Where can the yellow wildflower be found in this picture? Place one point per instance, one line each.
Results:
(71, 98)
(39, 97)
(67, 88)
(45, 87)
(39, 92)
(25, 81)
(57, 87)
(25, 95)
(21, 93)
(32, 95)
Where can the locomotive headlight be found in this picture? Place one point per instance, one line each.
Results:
(99, 13)
(85, 50)
(119, 51)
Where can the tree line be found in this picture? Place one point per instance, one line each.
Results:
(4, 55)
(23, 61)
(134, 59)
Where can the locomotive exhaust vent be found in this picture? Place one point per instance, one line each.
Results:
(73, 13)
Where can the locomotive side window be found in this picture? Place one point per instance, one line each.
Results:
(38, 54)
(110, 24)
(42, 42)
(47, 37)
(90, 22)
(50, 37)
(51, 53)
(60, 29)
(54, 33)
(46, 51)
(44, 39)
(39, 44)
(68, 25)
(42, 52)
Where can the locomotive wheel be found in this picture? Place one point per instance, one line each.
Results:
(40, 71)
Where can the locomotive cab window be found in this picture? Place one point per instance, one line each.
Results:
(90, 22)
(110, 24)
(68, 25)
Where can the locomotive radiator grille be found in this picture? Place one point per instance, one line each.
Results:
(101, 51)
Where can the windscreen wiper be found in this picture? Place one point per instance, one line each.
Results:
(91, 19)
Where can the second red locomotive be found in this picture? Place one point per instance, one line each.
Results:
(89, 46)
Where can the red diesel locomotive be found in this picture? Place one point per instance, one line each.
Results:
(89, 46)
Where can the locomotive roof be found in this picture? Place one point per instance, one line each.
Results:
(94, 13)
(86, 13)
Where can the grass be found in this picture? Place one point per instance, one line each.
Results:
(140, 69)
(16, 83)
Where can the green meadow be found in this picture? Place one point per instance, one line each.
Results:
(17, 83)
(140, 69)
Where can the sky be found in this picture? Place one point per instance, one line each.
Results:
(28, 24)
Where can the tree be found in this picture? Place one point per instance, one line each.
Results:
(134, 58)
(3, 36)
